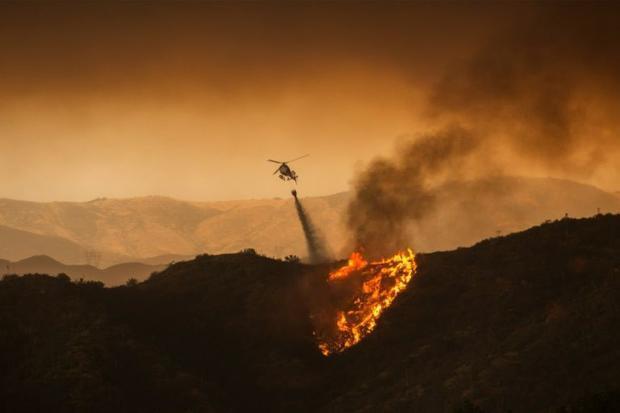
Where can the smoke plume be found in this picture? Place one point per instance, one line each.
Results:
(317, 251)
(539, 99)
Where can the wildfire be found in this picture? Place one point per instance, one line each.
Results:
(379, 284)
(356, 263)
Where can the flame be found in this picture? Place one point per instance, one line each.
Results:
(356, 263)
(381, 282)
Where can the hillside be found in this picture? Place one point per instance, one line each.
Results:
(104, 232)
(526, 322)
(115, 231)
(19, 244)
(110, 276)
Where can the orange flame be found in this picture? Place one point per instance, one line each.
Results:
(381, 282)
(356, 263)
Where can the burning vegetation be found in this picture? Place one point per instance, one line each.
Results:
(363, 290)
(358, 292)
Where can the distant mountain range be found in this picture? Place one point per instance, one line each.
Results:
(114, 275)
(153, 229)
(105, 232)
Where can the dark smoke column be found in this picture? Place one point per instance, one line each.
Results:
(392, 193)
(316, 249)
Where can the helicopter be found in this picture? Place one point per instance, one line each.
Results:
(286, 173)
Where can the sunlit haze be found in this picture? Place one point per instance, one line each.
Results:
(189, 100)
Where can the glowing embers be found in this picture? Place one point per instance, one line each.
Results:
(363, 290)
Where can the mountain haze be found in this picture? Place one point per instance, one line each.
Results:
(110, 276)
(19, 244)
(104, 232)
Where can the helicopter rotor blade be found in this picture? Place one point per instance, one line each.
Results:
(271, 160)
(276, 171)
(296, 159)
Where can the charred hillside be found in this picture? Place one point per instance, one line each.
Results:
(526, 322)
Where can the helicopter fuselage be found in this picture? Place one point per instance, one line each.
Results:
(286, 173)
(285, 170)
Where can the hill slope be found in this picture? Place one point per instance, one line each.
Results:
(110, 276)
(116, 230)
(526, 322)
(19, 244)
(111, 231)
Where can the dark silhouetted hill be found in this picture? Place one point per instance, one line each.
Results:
(165, 259)
(522, 323)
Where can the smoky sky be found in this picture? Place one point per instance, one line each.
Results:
(188, 99)
(549, 79)
(216, 48)
(539, 96)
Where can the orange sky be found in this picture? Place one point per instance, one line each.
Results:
(188, 100)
